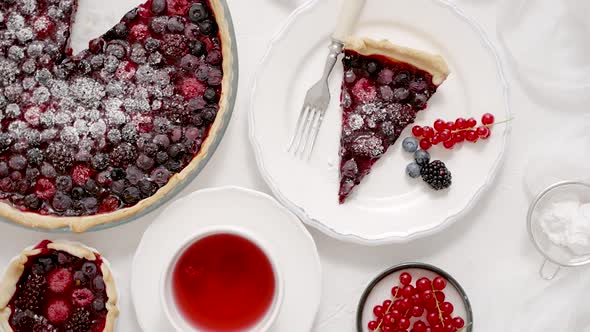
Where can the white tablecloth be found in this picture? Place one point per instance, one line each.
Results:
(488, 251)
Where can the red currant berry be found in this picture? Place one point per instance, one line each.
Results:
(397, 305)
(408, 291)
(439, 283)
(471, 136)
(445, 135)
(395, 314)
(372, 325)
(432, 318)
(459, 137)
(419, 326)
(449, 144)
(417, 311)
(405, 278)
(428, 132)
(483, 132)
(471, 122)
(388, 320)
(458, 322)
(378, 311)
(425, 144)
(386, 304)
(405, 304)
(387, 329)
(417, 299)
(395, 292)
(446, 308)
(423, 284)
(487, 119)
(439, 125)
(460, 123)
(437, 328)
(404, 323)
(436, 139)
(449, 328)
(440, 296)
(417, 131)
(450, 125)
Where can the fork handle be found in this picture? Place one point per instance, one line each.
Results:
(349, 14)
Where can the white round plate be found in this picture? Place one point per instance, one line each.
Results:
(387, 207)
(289, 241)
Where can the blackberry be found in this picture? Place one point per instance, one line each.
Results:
(32, 202)
(60, 155)
(100, 161)
(131, 195)
(30, 294)
(79, 321)
(123, 154)
(35, 157)
(436, 175)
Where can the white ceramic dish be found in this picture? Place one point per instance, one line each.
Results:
(170, 309)
(387, 207)
(283, 234)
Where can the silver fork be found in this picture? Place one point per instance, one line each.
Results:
(317, 98)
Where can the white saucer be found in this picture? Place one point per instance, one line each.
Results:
(287, 238)
(388, 207)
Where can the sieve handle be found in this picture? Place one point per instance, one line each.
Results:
(549, 270)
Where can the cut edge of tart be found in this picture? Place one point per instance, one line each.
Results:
(11, 279)
(80, 224)
(384, 86)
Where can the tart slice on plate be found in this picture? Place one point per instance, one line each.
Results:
(58, 286)
(384, 86)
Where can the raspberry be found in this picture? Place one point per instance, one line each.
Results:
(436, 175)
(139, 32)
(126, 71)
(81, 174)
(44, 189)
(58, 311)
(364, 91)
(109, 204)
(60, 280)
(191, 88)
(174, 45)
(178, 7)
(43, 25)
(82, 297)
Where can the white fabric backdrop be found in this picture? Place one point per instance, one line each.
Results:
(488, 252)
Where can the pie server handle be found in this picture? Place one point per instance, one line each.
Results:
(349, 14)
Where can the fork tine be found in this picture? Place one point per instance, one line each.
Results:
(301, 134)
(316, 130)
(298, 127)
(307, 131)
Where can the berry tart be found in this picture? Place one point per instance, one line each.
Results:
(58, 286)
(384, 86)
(100, 136)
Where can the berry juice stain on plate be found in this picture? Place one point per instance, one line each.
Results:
(414, 297)
(223, 282)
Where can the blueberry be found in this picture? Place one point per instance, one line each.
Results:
(162, 141)
(410, 144)
(210, 95)
(214, 57)
(46, 263)
(174, 165)
(197, 12)
(401, 78)
(17, 162)
(422, 157)
(89, 269)
(197, 48)
(413, 170)
(420, 100)
(161, 157)
(89, 203)
(98, 305)
(132, 14)
(63, 183)
(79, 277)
(147, 187)
(4, 171)
(32, 202)
(150, 149)
(63, 259)
(144, 162)
(175, 24)
(152, 44)
(131, 195)
(78, 193)
(92, 187)
(61, 202)
(401, 93)
(158, 6)
(207, 27)
(176, 151)
(372, 67)
(120, 30)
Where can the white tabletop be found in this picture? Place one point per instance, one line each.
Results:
(488, 251)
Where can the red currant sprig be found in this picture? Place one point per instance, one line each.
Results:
(451, 133)
(419, 308)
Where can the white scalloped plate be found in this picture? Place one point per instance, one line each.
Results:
(387, 207)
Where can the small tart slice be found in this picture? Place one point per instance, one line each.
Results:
(58, 286)
(384, 86)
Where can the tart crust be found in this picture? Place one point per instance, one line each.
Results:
(431, 63)
(83, 223)
(17, 266)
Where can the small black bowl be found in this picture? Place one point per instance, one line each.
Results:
(359, 312)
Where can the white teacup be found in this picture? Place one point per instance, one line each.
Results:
(171, 310)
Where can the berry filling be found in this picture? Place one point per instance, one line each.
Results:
(106, 128)
(59, 292)
(380, 97)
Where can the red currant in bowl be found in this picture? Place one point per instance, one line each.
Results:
(414, 297)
